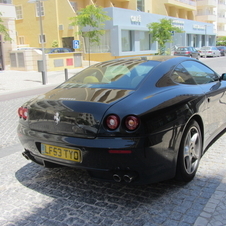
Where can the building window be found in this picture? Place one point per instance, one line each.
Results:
(19, 14)
(144, 40)
(74, 6)
(6, 1)
(40, 38)
(21, 40)
(126, 40)
(140, 5)
(37, 8)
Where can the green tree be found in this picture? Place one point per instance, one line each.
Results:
(55, 44)
(162, 32)
(91, 17)
(221, 41)
(4, 30)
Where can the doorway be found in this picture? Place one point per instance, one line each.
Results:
(68, 42)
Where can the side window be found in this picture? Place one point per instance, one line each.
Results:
(200, 73)
(180, 75)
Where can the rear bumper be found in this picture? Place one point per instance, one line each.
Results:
(145, 163)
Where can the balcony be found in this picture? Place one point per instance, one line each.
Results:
(221, 33)
(204, 3)
(181, 4)
(222, 6)
(206, 17)
(221, 20)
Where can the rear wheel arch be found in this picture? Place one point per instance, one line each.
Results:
(186, 151)
(198, 119)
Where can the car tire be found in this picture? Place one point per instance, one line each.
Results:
(189, 153)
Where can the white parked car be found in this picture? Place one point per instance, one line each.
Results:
(209, 51)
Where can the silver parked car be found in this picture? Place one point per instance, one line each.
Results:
(209, 51)
(187, 51)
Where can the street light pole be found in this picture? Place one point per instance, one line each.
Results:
(205, 40)
(44, 68)
(44, 74)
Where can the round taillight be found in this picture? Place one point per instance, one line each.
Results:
(112, 122)
(20, 112)
(23, 113)
(132, 122)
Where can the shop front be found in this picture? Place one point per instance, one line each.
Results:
(127, 34)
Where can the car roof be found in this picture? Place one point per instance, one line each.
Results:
(183, 46)
(159, 58)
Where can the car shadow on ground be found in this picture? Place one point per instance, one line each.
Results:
(78, 199)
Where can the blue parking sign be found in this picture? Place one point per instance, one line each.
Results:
(75, 44)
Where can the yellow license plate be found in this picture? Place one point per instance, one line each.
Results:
(61, 153)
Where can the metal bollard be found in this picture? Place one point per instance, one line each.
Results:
(66, 74)
(43, 78)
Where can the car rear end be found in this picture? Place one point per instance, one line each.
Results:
(81, 139)
(73, 125)
(222, 50)
(206, 51)
(183, 51)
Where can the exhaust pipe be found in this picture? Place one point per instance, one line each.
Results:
(128, 178)
(26, 155)
(117, 178)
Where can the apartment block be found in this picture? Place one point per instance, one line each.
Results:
(8, 15)
(214, 12)
(127, 33)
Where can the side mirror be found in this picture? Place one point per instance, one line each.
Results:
(223, 77)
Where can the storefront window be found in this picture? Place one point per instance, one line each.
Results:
(144, 40)
(102, 47)
(126, 41)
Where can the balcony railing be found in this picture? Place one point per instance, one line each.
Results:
(204, 3)
(221, 20)
(221, 32)
(207, 17)
(189, 2)
(222, 6)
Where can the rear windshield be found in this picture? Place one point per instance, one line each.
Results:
(119, 74)
(182, 49)
(205, 48)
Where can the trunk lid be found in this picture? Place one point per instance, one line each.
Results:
(75, 112)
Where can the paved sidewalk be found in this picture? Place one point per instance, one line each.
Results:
(14, 81)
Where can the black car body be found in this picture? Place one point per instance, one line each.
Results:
(222, 49)
(141, 120)
(187, 51)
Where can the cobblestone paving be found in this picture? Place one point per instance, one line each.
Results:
(9, 121)
(33, 195)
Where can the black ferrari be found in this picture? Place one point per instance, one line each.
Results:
(140, 119)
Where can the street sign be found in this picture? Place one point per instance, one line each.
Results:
(172, 32)
(75, 44)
